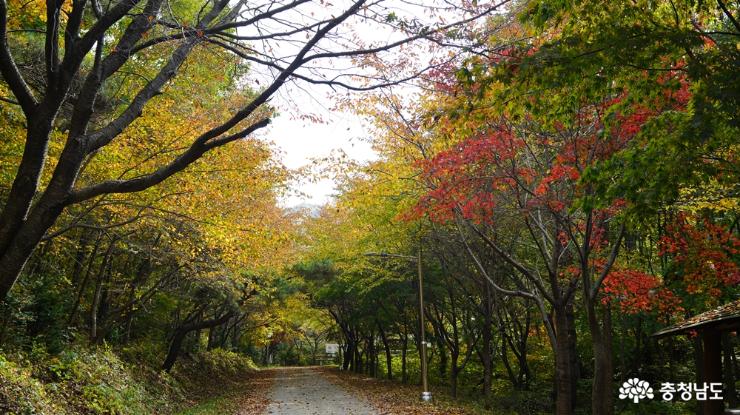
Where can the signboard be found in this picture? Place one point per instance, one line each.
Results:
(332, 348)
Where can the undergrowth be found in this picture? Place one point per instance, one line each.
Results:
(83, 380)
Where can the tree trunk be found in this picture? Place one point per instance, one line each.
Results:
(388, 357)
(358, 358)
(23, 226)
(80, 256)
(13, 259)
(487, 361)
(98, 292)
(174, 350)
(602, 392)
(564, 402)
(349, 354)
(371, 355)
(572, 353)
(341, 355)
(525, 375)
(442, 355)
(26, 181)
(181, 333)
(127, 328)
(211, 342)
(404, 349)
(507, 365)
(486, 350)
(729, 372)
(85, 279)
(454, 372)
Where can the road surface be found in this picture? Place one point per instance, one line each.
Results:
(304, 391)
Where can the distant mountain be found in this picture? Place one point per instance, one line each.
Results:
(313, 209)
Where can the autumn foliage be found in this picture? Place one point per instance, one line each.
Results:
(635, 291)
(705, 256)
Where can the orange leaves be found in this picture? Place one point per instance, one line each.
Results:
(705, 254)
(636, 291)
(465, 177)
(479, 207)
(702, 255)
(558, 173)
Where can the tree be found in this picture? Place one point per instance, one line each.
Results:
(642, 50)
(584, 161)
(94, 43)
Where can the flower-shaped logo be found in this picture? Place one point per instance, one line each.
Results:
(635, 389)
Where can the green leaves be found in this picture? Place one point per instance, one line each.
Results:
(589, 51)
(542, 13)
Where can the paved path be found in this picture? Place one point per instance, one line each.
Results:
(304, 391)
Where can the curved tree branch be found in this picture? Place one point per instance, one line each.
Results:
(196, 150)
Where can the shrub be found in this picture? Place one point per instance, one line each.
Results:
(80, 380)
(83, 381)
(219, 362)
(21, 394)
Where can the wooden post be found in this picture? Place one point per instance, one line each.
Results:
(712, 368)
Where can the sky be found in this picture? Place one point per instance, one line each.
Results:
(299, 141)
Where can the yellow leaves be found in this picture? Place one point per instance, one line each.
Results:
(227, 200)
(27, 14)
(718, 193)
(364, 217)
(22, 13)
(712, 196)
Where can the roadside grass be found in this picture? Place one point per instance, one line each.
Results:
(239, 397)
(224, 404)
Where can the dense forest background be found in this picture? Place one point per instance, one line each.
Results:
(565, 174)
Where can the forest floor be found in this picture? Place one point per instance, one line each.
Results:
(393, 398)
(245, 397)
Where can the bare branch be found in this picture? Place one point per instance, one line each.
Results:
(516, 264)
(729, 15)
(421, 35)
(105, 68)
(73, 56)
(610, 263)
(329, 82)
(183, 32)
(519, 293)
(9, 101)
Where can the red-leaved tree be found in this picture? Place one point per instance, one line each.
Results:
(517, 186)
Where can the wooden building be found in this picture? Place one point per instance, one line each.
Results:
(710, 326)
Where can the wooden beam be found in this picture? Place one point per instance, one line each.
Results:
(712, 368)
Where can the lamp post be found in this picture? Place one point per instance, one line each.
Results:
(426, 395)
